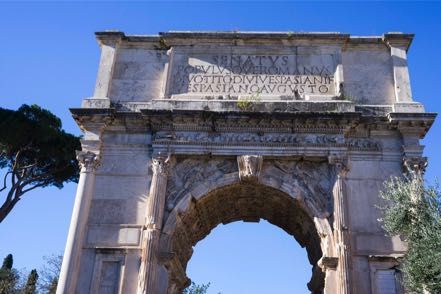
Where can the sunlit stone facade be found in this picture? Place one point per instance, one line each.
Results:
(188, 130)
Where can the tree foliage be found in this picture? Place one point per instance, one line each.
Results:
(8, 276)
(49, 274)
(35, 152)
(196, 289)
(14, 282)
(413, 210)
(31, 283)
(8, 262)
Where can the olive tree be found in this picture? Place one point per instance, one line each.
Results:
(413, 210)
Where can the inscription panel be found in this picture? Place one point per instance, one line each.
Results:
(290, 74)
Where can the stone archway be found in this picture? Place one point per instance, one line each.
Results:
(321, 137)
(222, 196)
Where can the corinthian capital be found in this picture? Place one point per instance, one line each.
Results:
(160, 164)
(414, 165)
(87, 160)
(340, 164)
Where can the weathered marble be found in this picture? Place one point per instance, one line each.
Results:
(197, 129)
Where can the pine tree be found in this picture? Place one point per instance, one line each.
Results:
(8, 276)
(52, 289)
(31, 283)
(8, 262)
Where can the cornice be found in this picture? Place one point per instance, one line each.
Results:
(164, 40)
(187, 120)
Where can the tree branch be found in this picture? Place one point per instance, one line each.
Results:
(4, 181)
(33, 187)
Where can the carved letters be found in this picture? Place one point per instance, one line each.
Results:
(242, 74)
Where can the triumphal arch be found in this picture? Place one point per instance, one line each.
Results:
(188, 130)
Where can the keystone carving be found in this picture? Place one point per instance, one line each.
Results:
(250, 167)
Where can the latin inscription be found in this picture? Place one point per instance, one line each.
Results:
(289, 75)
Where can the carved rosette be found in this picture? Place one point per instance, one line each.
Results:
(87, 160)
(414, 166)
(250, 167)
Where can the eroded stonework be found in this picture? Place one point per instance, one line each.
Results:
(190, 130)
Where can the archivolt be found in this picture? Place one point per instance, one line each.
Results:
(225, 200)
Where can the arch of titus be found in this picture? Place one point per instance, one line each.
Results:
(188, 130)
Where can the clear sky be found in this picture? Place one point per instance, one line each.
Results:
(49, 56)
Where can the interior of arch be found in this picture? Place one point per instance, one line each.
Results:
(247, 202)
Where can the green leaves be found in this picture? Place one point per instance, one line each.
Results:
(414, 211)
(196, 289)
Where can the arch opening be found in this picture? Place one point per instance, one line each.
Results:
(244, 257)
(248, 202)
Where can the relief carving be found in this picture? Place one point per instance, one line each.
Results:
(311, 139)
(188, 173)
(312, 182)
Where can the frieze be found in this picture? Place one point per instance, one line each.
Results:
(205, 138)
(243, 123)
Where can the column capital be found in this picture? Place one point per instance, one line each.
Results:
(87, 160)
(340, 164)
(160, 164)
(415, 165)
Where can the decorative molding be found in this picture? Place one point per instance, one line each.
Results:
(250, 167)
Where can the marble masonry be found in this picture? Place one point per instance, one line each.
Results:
(188, 130)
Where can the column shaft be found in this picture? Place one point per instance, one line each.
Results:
(155, 211)
(341, 225)
(71, 260)
(342, 235)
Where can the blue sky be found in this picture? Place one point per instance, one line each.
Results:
(49, 56)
